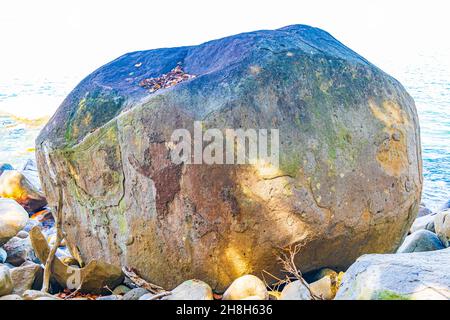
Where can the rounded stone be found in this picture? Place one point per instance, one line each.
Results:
(442, 226)
(295, 290)
(347, 179)
(6, 284)
(421, 240)
(13, 218)
(246, 286)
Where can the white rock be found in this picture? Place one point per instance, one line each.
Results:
(11, 297)
(442, 227)
(423, 223)
(324, 288)
(13, 218)
(191, 290)
(419, 275)
(295, 290)
(246, 286)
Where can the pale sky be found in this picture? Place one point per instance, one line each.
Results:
(57, 38)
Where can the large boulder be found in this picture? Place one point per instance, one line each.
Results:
(419, 275)
(348, 180)
(14, 185)
(13, 218)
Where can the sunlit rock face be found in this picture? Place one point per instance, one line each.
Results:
(348, 180)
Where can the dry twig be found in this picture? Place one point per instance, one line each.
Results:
(59, 238)
(153, 288)
(287, 261)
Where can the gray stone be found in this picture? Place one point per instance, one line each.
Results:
(6, 285)
(442, 226)
(13, 218)
(423, 211)
(135, 294)
(36, 294)
(191, 290)
(26, 277)
(419, 275)
(111, 297)
(19, 250)
(423, 223)
(11, 297)
(22, 234)
(295, 290)
(422, 240)
(147, 296)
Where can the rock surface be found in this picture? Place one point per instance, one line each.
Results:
(14, 185)
(26, 277)
(349, 169)
(324, 288)
(6, 285)
(191, 290)
(3, 255)
(295, 290)
(421, 275)
(13, 218)
(442, 226)
(246, 286)
(419, 241)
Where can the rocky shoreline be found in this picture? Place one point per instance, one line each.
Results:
(417, 271)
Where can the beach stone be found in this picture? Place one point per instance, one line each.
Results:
(111, 297)
(11, 297)
(191, 290)
(22, 234)
(349, 170)
(37, 294)
(295, 290)
(26, 277)
(422, 240)
(30, 172)
(325, 287)
(442, 226)
(6, 284)
(19, 250)
(246, 286)
(415, 276)
(3, 255)
(121, 290)
(423, 211)
(14, 185)
(5, 167)
(147, 296)
(135, 294)
(423, 223)
(13, 218)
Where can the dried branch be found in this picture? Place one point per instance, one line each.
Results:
(287, 261)
(153, 288)
(59, 238)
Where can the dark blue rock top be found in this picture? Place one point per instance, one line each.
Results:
(115, 87)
